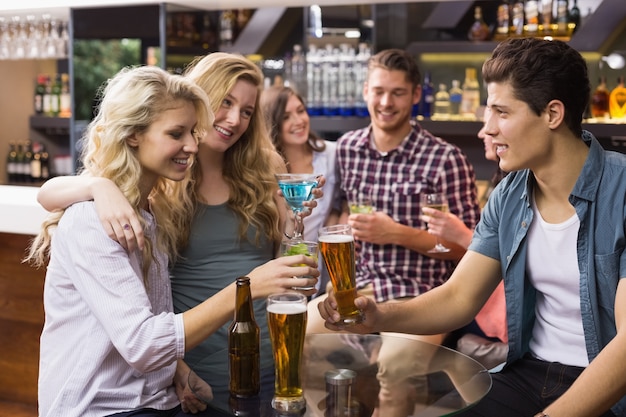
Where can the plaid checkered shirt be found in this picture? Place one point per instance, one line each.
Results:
(394, 181)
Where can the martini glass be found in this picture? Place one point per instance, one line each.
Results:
(297, 189)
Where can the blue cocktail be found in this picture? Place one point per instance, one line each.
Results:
(297, 189)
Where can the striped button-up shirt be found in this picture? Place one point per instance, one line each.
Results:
(394, 181)
(109, 343)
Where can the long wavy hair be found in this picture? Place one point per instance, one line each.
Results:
(274, 103)
(130, 102)
(250, 164)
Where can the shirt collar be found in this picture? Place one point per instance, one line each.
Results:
(409, 143)
(588, 181)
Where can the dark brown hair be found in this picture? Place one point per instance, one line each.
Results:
(273, 104)
(540, 71)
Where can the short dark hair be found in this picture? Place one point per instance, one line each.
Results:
(397, 60)
(540, 71)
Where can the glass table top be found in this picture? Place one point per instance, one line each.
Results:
(387, 376)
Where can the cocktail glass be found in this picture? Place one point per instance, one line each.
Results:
(297, 188)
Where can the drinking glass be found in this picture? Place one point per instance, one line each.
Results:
(286, 320)
(436, 201)
(297, 188)
(336, 245)
(362, 206)
(299, 247)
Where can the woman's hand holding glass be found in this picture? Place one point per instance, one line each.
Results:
(284, 273)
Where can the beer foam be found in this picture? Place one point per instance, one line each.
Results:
(336, 238)
(291, 308)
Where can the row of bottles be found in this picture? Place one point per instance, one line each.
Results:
(207, 30)
(27, 163)
(457, 103)
(52, 95)
(609, 104)
(528, 18)
(331, 79)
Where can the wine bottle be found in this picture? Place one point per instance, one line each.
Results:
(574, 16)
(531, 13)
(11, 163)
(442, 104)
(243, 345)
(600, 100)
(471, 95)
(428, 97)
(617, 100)
(456, 96)
(504, 20)
(479, 31)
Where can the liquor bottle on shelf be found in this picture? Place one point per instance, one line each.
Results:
(547, 16)
(600, 101)
(617, 100)
(471, 95)
(65, 100)
(504, 20)
(28, 157)
(227, 28)
(360, 72)
(55, 91)
(428, 97)
(45, 164)
(345, 87)
(297, 70)
(243, 17)
(47, 96)
(517, 18)
(313, 81)
(208, 34)
(479, 31)
(330, 78)
(19, 163)
(40, 91)
(11, 163)
(442, 104)
(531, 14)
(562, 17)
(574, 17)
(35, 163)
(456, 96)
(243, 345)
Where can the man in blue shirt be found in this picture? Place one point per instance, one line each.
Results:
(554, 228)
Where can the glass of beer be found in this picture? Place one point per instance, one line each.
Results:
(336, 245)
(286, 320)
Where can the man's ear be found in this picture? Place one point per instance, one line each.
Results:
(556, 113)
(417, 93)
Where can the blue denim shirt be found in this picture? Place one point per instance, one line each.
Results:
(599, 198)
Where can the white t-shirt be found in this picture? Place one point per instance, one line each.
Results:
(552, 266)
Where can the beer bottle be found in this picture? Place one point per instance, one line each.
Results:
(243, 345)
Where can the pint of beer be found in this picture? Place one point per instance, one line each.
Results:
(336, 245)
(286, 319)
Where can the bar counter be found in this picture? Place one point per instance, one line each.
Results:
(21, 301)
(20, 213)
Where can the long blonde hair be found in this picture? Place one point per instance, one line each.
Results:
(130, 102)
(250, 164)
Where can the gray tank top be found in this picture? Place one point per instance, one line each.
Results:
(213, 259)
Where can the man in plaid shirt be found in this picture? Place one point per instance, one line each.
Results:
(392, 162)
